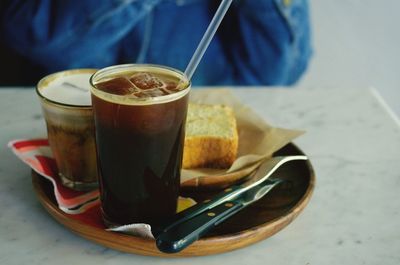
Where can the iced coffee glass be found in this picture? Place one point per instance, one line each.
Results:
(140, 114)
(66, 104)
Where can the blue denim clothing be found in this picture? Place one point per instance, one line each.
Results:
(260, 42)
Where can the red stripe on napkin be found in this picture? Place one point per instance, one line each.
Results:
(20, 144)
(37, 154)
(91, 217)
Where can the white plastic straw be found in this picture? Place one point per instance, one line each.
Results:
(208, 35)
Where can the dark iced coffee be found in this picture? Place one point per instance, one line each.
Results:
(140, 113)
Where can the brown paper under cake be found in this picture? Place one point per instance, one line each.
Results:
(211, 137)
(258, 140)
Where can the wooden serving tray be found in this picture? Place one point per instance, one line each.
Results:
(260, 220)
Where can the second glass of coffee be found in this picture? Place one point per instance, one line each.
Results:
(65, 101)
(140, 113)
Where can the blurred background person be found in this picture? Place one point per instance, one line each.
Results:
(260, 42)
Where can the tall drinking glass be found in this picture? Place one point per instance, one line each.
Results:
(139, 113)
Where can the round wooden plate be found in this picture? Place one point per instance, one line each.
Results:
(260, 220)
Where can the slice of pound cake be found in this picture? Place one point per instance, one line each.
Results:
(211, 137)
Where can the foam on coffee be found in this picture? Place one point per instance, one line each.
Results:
(72, 88)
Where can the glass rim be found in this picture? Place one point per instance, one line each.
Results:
(126, 100)
(55, 75)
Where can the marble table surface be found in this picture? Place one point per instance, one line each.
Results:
(352, 218)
